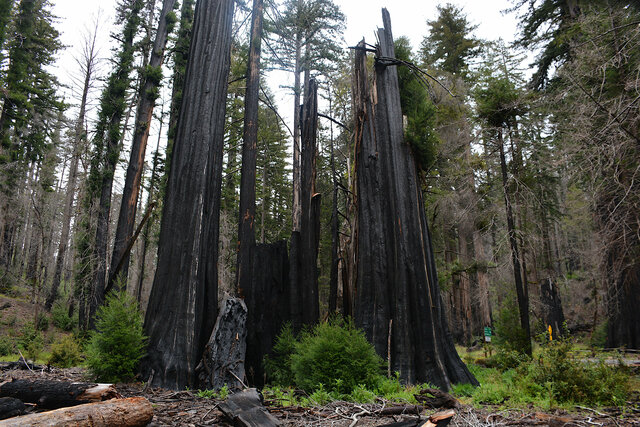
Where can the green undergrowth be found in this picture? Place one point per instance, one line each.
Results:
(555, 377)
(389, 390)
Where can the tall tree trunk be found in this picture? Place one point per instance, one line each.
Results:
(113, 104)
(80, 137)
(296, 207)
(183, 303)
(180, 59)
(398, 302)
(523, 303)
(335, 236)
(147, 227)
(148, 94)
(246, 220)
(310, 214)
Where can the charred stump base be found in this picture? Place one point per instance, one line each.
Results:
(223, 359)
(246, 409)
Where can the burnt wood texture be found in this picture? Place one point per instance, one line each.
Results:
(182, 307)
(396, 298)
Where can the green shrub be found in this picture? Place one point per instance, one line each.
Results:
(505, 359)
(65, 353)
(555, 374)
(336, 355)
(599, 336)
(6, 346)
(30, 341)
(278, 364)
(60, 317)
(118, 342)
(508, 333)
(42, 322)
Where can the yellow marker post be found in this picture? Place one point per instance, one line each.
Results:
(550, 335)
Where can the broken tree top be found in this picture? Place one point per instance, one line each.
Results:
(397, 297)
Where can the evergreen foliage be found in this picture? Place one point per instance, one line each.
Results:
(118, 342)
(333, 356)
(65, 353)
(418, 109)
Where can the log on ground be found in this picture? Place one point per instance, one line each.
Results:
(130, 412)
(57, 394)
(11, 407)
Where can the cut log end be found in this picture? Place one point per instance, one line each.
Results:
(130, 412)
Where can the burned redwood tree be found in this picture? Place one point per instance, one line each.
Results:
(396, 298)
(183, 303)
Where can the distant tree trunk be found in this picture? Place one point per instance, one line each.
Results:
(335, 236)
(247, 214)
(146, 234)
(295, 216)
(180, 58)
(523, 302)
(112, 106)
(148, 94)
(397, 297)
(80, 137)
(183, 303)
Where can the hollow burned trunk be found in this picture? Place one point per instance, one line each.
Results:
(397, 297)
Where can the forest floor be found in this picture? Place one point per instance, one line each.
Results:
(185, 408)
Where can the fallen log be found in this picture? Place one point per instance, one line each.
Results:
(21, 365)
(130, 412)
(439, 419)
(432, 398)
(245, 410)
(57, 394)
(11, 407)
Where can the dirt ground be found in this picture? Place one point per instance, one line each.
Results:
(184, 408)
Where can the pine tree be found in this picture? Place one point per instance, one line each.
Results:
(29, 102)
(308, 32)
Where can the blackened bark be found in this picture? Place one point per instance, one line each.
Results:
(523, 301)
(307, 279)
(183, 303)
(246, 220)
(268, 303)
(148, 95)
(223, 360)
(397, 283)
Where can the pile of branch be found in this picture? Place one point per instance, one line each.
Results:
(78, 404)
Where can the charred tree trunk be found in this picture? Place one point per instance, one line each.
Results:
(397, 297)
(148, 95)
(268, 305)
(335, 236)
(523, 302)
(304, 244)
(246, 220)
(183, 303)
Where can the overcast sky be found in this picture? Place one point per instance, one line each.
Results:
(408, 18)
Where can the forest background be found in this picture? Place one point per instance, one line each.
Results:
(530, 177)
